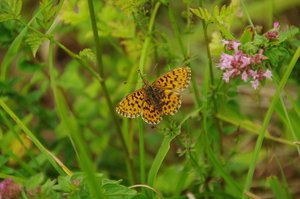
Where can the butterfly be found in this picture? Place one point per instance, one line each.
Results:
(162, 97)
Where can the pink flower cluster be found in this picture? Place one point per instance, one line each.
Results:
(242, 65)
(9, 189)
(273, 33)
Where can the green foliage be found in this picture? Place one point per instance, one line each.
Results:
(61, 138)
(278, 189)
(10, 9)
(88, 55)
(75, 186)
(222, 17)
(49, 13)
(34, 41)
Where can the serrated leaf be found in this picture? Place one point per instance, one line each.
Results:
(10, 9)
(88, 55)
(202, 13)
(277, 55)
(15, 6)
(216, 12)
(7, 11)
(259, 40)
(18, 7)
(48, 14)
(64, 184)
(288, 34)
(34, 41)
(35, 181)
(6, 17)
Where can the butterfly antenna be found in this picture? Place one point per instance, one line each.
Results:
(142, 77)
(154, 68)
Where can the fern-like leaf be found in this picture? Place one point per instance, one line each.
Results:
(49, 13)
(203, 13)
(10, 9)
(88, 55)
(222, 17)
(6, 17)
(34, 41)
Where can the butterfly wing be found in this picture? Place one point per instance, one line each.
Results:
(131, 105)
(170, 102)
(150, 114)
(177, 79)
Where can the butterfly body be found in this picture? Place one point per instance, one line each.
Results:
(153, 96)
(162, 97)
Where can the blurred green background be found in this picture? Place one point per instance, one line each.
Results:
(123, 29)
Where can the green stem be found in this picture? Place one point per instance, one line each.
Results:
(104, 88)
(69, 122)
(177, 33)
(142, 152)
(58, 165)
(160, 156)
(267, 120)
(20, 140)
(147, 41)
(212, 83)
(211, 73)
(289, 123)
(142, 62)
(96, 38)
(245, 10)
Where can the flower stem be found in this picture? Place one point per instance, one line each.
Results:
(104, 88)
(267, 119)
(142, 62)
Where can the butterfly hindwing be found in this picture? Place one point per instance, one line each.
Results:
(132, 104)
(150, 114)
(170, 102)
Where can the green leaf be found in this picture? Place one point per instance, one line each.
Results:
(115, 191)
(65, 184)
(277, 188)
(6, 17)
(34, 40)
(28, 66)
(216, 11)
(277, 55)
(11, 53)
(47, 190)
(10, 9)
(88, 55)
(288, 34)
(48, 15)
(15, 46)
(247, 35)
(16, 6)
(35, 181)
(202, 13)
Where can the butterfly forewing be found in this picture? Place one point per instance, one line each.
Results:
(131, 105)
(177, 79)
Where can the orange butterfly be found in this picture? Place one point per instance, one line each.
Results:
(162, 97)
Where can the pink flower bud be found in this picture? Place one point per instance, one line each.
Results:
(245, 76)
(276, 25)
(268, 74)
(255, 84)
